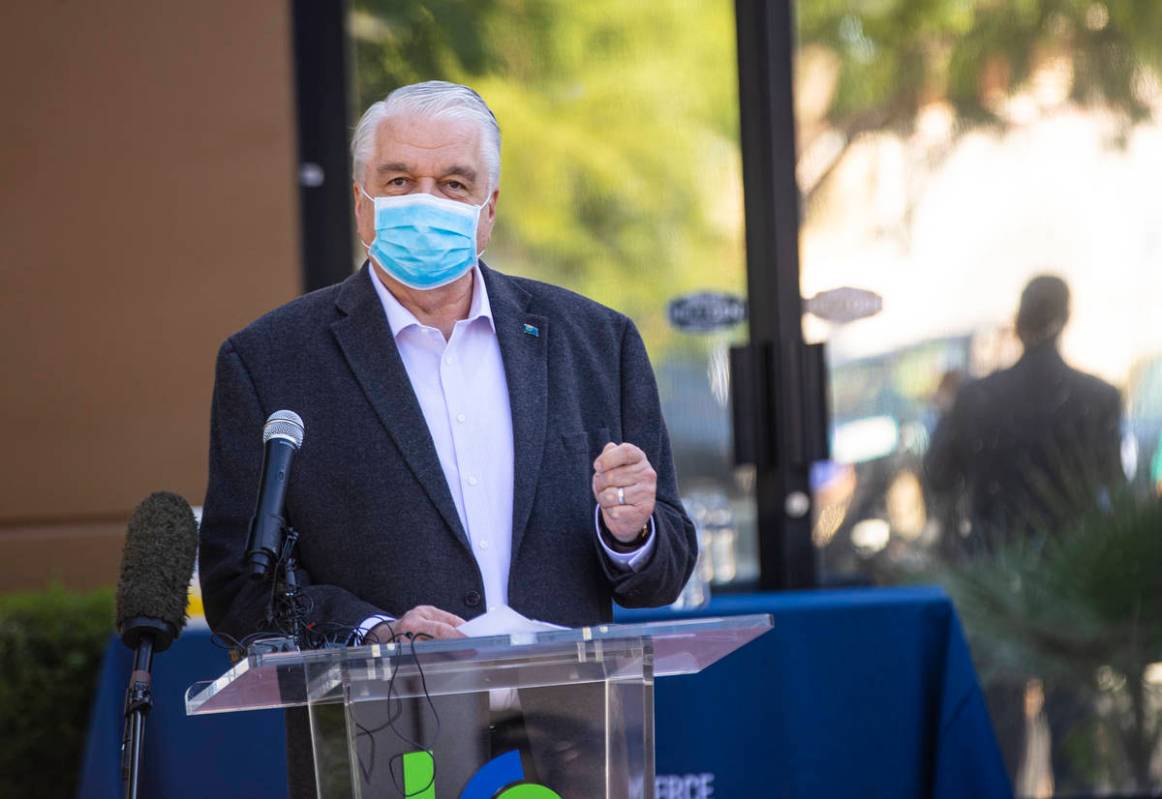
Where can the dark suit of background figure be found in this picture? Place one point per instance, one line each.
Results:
(379, 530)
(1029, 447)
(1021, 453)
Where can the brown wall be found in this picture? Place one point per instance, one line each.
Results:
(147, 210)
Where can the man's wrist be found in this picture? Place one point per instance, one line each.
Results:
(375, 634)
(361, 633)
(616, 544)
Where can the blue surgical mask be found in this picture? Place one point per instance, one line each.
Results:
(424, 241)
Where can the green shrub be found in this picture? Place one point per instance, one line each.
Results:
(50, 658)
(1081, 611)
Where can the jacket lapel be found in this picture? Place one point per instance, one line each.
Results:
(367, 344)
(524, 349)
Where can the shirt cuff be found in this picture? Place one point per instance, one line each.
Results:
(367, 626)
(629, 561)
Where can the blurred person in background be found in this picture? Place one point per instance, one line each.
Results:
(1031, 446)
(1019, 454)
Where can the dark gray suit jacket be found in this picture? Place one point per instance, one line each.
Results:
(1030, 447)
(379, 530)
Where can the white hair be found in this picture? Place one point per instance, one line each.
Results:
(433, 98)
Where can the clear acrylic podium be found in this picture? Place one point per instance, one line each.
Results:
(566, 713)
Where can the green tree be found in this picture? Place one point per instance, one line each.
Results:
(620, 119)
(620, 157)
(896, 56)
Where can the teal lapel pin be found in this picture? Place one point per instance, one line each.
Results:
(532, 331)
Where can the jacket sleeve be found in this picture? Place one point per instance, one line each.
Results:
(944, 468)
(662, 577)
(237, 606)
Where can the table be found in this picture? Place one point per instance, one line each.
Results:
(867, 693)
(858, 693)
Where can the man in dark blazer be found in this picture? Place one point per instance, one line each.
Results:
(1031, 446)
(391, 541)
(1028, 449)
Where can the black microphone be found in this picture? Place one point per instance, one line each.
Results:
(157, 562)
(282, 436)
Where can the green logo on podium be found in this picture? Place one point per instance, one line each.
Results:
(506, 771)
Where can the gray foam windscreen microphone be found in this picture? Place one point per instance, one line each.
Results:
(157, 562)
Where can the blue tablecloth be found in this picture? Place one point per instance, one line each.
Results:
(865, 693)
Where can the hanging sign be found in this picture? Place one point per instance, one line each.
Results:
(706, 311)
(844, 304)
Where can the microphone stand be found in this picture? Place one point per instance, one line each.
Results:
(282, 611)
(290, 587)
(138, 702)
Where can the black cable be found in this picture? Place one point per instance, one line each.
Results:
(316, 635)
(393, 716)
(287, 617)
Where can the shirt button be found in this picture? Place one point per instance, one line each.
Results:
(449, 359)
(461, 418)
(484, 543)
(472, 480)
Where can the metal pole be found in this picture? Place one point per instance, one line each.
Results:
(765, 31)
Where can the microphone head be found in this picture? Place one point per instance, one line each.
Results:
(286, 425)
(157, 562)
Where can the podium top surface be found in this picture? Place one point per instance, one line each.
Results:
(518, 660)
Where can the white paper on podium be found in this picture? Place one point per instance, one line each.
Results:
(503, 620)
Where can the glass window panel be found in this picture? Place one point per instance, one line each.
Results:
(621, 179)
(948, 153)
